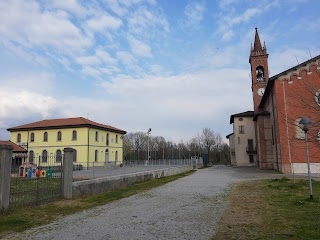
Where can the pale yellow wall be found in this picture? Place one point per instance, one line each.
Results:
(81, 144)
(241, 155)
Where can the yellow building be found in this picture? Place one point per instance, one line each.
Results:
(93, 142)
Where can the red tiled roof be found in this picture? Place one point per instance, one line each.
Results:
(64, 123)
(16, 148)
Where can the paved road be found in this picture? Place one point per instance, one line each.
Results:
(188, 208)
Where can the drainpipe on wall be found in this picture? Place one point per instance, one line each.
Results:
(275, 132)
(287, 128)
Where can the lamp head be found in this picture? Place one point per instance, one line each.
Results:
(305, 124)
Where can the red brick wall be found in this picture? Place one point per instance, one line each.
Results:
(297, 89)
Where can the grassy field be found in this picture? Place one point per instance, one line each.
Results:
(20, 219)
(271, 209)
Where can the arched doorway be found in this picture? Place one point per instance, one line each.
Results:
(106, 158)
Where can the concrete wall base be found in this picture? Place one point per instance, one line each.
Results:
(93, 186)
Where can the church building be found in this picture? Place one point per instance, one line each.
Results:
(280, 102)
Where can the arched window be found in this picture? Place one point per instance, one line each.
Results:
(74, 135)
(45, 137)
(116, 138)
(107, 139)
(32, 137)
(18, 138)
(44, 156)
(116, 157)
(58, 156)
(59, 136)
(31, 156)
(74, 155)
(96, 155)
(97, 136)
(260, 74)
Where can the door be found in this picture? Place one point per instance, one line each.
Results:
(106, 158)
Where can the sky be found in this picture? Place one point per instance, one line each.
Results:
(176, 66)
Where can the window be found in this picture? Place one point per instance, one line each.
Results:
(32, 137)
(107, 139)
(59, 136)
(250, 145)
(116, 138)
(74, 155)
(31, 156)
(74, 135)
(45, 137)
(58, 156)
(97, 136)
(251, 159)
(44, 156)
(96, 155)
(18, 138)
(241, 129)
(238, 140)
(260, 74)
(116, 157)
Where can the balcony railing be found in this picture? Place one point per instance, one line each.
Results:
(251, 149)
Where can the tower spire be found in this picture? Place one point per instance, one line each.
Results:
(257, 43)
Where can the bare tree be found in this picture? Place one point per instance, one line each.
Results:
(208, 139)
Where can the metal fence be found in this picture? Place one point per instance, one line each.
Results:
(91, 170)
(35, 180)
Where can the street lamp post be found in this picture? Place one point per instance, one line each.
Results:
(305, 122)
(148, 158)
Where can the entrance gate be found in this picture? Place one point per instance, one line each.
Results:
(36, 181)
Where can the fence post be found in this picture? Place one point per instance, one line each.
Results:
(5, 175)
(67, 172)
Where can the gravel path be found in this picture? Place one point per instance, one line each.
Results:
(188, 208)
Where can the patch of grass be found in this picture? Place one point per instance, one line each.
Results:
(19, 219)
(271, 209)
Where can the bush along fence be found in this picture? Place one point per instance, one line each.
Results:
(43, 180)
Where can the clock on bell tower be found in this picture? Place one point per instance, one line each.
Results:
(259, 70)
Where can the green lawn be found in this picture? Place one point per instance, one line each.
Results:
(271, 209)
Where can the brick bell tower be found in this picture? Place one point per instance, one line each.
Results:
(259, 70)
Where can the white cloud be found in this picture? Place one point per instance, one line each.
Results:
(24, 104)
(28, 81)
(127, 59)
(91, 71)
(71, 6)
(24, 23)
(227, 35)
(142, 19)
(194, 13)
(192, 100)
(88, 60)
(244, 17)
(139, 48)
(115, 6)
(103, 23)
(105, 57)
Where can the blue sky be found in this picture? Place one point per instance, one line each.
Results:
(175, 66)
